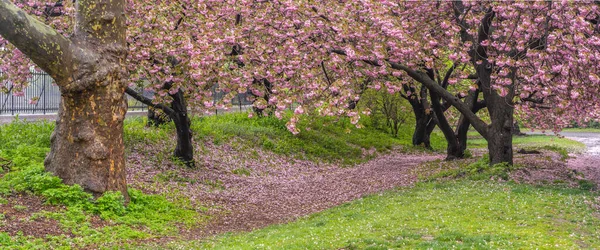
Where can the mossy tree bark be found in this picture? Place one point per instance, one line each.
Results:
(87, 144)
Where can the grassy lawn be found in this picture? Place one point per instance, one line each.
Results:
(457, 214)
(551, 142)
(582, 130)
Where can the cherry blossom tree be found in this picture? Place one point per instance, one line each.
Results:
(538, 57)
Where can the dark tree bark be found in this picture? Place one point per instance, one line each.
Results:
(87, 143)
(424, 125)
(516, 130)
(184, 149)
(268, 90)
(453, 149)
(156, 118)
(463, 126)
(177, 112)
(424, 120)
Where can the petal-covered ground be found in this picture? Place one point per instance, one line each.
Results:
(252, 188)
(587, 163)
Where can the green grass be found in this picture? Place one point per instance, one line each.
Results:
(321, 138)
(479, 170)
(582, 130)
(549, 142)
(462, 214)
(24, 146)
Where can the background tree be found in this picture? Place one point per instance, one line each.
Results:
(523, 54)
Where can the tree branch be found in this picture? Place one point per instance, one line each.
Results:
(421, 77)
(48, 49)
(145, 100)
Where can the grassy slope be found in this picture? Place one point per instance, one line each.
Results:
(463, 214)
(321, 139)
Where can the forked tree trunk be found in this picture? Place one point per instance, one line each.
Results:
(424, 118)
(453, 149)
(461, 136)
(424, 125)
(462, 129)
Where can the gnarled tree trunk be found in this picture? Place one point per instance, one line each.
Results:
(424, 125)
(87, 143)
(500, 131)
(424, 117)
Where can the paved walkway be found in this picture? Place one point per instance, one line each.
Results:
(587, 163)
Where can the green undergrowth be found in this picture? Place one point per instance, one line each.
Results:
(23, 147)
(447, 215)
(321, 138)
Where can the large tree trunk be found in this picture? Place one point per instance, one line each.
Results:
(500, 133)
(87, 144)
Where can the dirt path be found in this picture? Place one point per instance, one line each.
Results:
(587, 163)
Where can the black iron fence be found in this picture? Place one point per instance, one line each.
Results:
(42, 96)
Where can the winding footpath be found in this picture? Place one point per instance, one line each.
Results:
(587, 163)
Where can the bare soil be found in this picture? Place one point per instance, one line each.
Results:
(17, 217)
